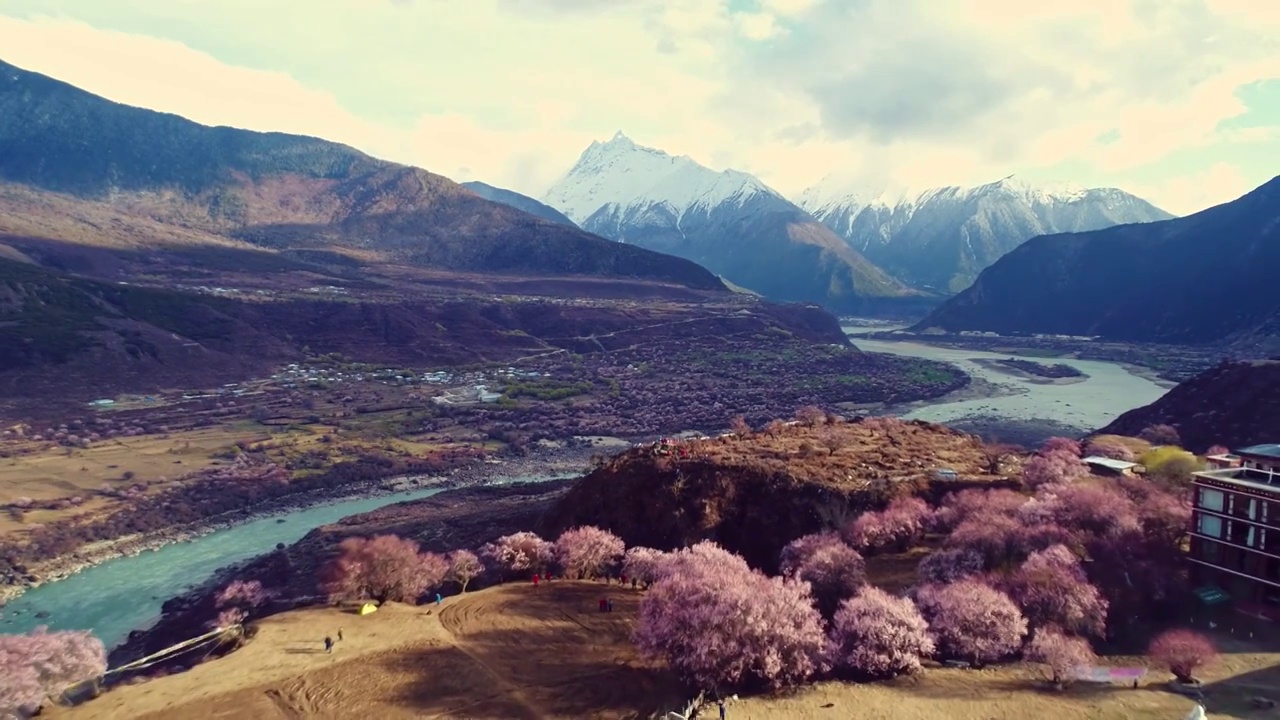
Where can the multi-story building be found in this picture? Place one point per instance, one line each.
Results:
(1235, 527)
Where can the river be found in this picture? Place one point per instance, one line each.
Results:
(126, 593)
(1108, 390)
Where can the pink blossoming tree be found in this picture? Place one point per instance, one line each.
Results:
(875, 634)
(587, 551)
(43, 664)
(894, 528)
(1060, 654)
(972, 621)
(1182, 652)
(721, 625)
(941, 567)
(464, 566)
(1052, 590)
(833, 569)
(643, 564)
(383, 568)
(518, 554)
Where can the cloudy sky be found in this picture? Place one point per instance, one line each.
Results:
(1177, 100)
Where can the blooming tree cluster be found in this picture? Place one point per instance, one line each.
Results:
(43, 664)
(385, 567)
(237, 601)
(722, 625)
(587, 551)
(1057, 463)
(518, 554)
(970, 620)
(947, 566)
(875, 634)
(1052, 590)
(899, 525)
(833, 569)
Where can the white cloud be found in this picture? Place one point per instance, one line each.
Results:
(1186, 194)
(917, 92)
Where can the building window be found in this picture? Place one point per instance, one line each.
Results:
(1210, 525)
(1211, 499)
(1209, 552)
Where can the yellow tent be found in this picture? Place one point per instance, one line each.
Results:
(368, 608)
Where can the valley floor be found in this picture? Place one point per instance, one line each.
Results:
(516, 651)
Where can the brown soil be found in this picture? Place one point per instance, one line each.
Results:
(508, 652)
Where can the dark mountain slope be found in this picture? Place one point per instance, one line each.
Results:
(1236, 404)
(523, 203)
(284, 191)
(1207, 277)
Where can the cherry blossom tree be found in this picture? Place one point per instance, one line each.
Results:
(464, 566)
(738, 426)
(896, 527)
(878, 635)
(1056, 467)
(643, 564)
(721, 625)
(833, 569)
(1051, 589)
(941, 567)
(1182, 652)
(960, 506)
(43, 664)
(1092, 509)
(991, 536)
(811, 415)
(972, 621)
(1218, 450)
(242, 594)
(383, 568)
(587, 551)
(1060, 654)
(518, 554)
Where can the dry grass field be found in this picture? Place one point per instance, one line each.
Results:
(516, 652)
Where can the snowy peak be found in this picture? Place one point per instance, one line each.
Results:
(625, 175)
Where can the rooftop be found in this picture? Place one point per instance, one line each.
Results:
(1109, 462)
(1247, 477)
(1268, 450)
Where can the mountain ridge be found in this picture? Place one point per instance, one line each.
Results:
(281, 192)
(941, 238)
(727, 221)
(1207, 277)
(521, 202)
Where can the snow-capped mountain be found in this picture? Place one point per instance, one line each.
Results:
(941, 238)
(728, 221)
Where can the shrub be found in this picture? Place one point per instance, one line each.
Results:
(941, 567)
(464, 566)
(587, 551)
(738, 426)
(1060, 654)
(972, 621)
(43, 664)
(878, 635)
(1182, 651)
(383, 568)
(518, 553)
(720, 625)
(1171, 464)
(833, 569)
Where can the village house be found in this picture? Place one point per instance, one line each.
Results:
(1235, 529)
(1109, 466)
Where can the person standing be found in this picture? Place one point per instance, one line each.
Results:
(536, 578)
(339, 634)
(439, 599)
(328, 644)
(722, 710)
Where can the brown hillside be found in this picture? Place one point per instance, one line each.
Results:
(755, 494)
(1234, 404)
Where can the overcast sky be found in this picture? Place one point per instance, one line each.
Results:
(1176, 100)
